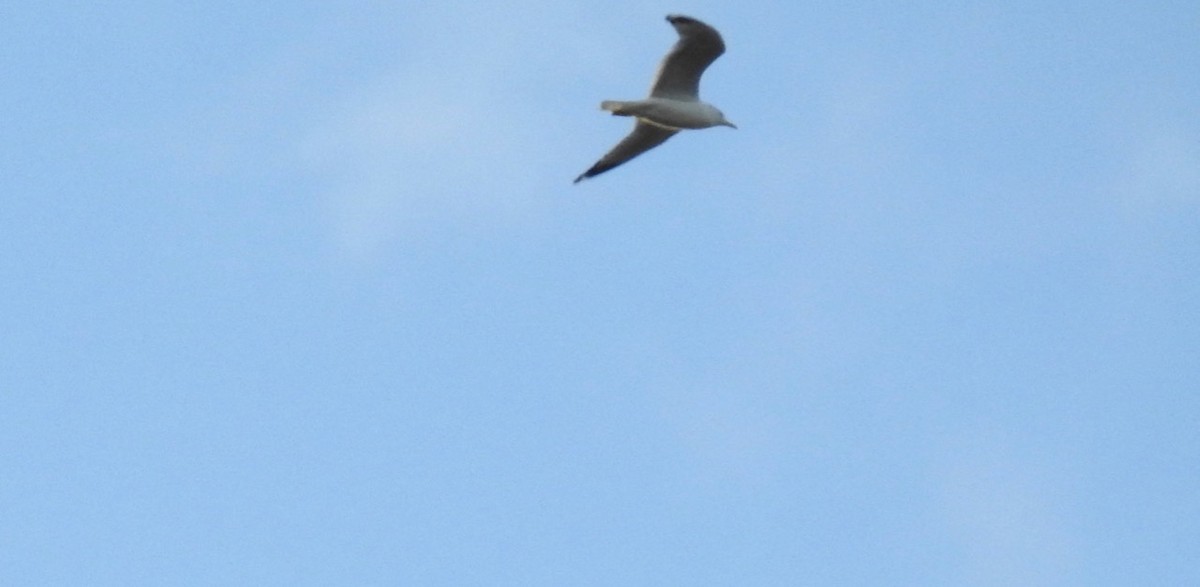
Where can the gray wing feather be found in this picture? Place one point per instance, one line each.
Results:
(679, 73)
(645, 136)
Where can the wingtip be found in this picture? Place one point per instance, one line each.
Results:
(591, 172)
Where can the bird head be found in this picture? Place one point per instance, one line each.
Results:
(723, 121)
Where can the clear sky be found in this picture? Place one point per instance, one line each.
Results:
(301, 293)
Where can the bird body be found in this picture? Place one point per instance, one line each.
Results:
(669, 112)
(674, 103)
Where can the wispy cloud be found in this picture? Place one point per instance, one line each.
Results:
(469, 125)
(1006, 514)
(1162, 167)
(406, 147)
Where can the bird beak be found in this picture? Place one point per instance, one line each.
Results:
(729, 124)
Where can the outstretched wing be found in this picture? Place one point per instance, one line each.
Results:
(679, 73)
(645, 136)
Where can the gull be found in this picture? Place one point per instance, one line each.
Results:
(674, 103)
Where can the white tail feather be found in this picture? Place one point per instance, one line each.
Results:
(615, 106)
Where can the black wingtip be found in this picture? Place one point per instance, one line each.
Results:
(592, 171)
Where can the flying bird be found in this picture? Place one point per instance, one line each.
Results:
(674, 103)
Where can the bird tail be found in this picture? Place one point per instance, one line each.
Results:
(617, 107)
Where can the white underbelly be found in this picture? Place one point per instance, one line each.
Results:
(675, 114)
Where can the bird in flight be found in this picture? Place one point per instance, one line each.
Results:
(674, 103)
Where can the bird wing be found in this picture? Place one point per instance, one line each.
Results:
(679, 73)
(645, 136)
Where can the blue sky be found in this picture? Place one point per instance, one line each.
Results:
(299, 293)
